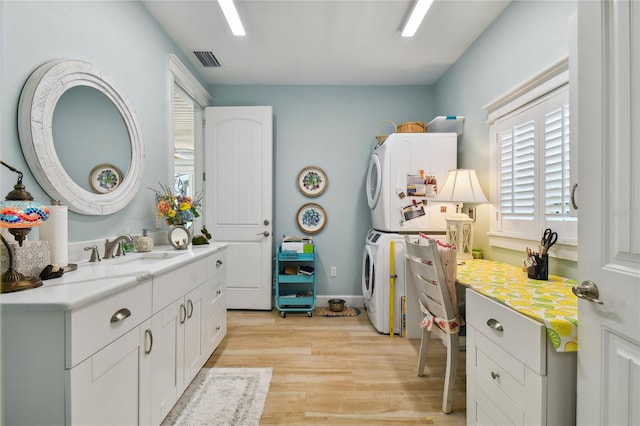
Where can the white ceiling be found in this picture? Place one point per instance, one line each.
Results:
(325, 42)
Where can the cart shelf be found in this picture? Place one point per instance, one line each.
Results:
(295, 291)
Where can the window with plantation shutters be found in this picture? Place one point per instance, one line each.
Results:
(517, 162)
(557, 165)
(532, 164)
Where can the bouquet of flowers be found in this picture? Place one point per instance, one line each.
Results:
(176, 209)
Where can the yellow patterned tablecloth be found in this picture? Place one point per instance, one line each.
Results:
(550, 302)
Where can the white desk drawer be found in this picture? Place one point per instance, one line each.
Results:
(91, 327)
(520, 336)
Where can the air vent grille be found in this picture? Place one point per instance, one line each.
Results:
(207, 58)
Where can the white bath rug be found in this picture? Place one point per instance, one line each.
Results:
(224, 397)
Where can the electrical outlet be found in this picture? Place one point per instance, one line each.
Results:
(334, 271)
(472, 213)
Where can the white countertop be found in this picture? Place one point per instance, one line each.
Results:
(94, 281)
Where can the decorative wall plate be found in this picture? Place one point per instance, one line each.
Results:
(312, 181)
(104, 178)
(311, 218)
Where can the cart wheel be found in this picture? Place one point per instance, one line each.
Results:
(309, 314)
(283, 314)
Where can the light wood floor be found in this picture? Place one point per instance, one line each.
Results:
(339, 371)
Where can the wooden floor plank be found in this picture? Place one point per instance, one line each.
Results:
(339, 371)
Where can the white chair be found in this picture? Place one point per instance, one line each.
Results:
(428, 275)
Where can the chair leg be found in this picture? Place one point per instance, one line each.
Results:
(424, 346)
(453, 346)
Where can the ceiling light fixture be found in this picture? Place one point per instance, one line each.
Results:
(418, 13)
(233, 19)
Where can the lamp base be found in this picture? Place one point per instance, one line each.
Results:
(15, 281)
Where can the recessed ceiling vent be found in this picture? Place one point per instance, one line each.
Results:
(207, 58)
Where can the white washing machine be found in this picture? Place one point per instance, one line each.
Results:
(376, 271)
(402, 182)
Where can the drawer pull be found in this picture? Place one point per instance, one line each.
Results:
(494, 375)
(120, 315)
(494, 324)
(218, 263)
(148, 333)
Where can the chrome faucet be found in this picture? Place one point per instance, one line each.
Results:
(109, 246)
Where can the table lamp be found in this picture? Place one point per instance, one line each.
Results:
(19, 213)
(461, 186)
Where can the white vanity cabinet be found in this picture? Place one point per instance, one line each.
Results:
(110, 386)
(186, 330)
(124, 357)
(514, 375)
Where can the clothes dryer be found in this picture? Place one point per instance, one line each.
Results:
(402, 182)
(376, 271)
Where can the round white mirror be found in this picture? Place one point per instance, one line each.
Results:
(110, 189)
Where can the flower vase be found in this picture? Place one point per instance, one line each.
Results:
(180, 237)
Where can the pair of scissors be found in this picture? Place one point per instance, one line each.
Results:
(549, 238)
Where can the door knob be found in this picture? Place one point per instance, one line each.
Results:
(265, 233)
(587, 290)
(266, 222)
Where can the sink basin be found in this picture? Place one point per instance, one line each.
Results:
(130, 265)
(145, 258)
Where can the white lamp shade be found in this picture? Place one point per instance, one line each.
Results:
(462, 186)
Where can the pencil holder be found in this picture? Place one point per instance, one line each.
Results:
(539, 271)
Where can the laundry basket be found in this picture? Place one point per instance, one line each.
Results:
(381, 138)
(412, 127)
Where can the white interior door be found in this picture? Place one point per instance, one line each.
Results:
(609, 212)
(238, 198)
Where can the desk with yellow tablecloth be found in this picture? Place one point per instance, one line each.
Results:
(521, 343)
(550, 302)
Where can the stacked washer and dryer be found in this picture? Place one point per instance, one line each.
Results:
(402, 180)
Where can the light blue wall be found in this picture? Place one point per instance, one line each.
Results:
(121, 39)
(333, 128)
(527, 37)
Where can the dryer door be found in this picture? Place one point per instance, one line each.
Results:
(374, 181)
(368, 275)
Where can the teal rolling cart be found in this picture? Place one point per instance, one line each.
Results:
(295, 282)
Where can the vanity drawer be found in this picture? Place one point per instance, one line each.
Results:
(175, 284)
(518, 335)
(92, 327)
(217, 267)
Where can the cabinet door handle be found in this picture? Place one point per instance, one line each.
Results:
(120, 315)
(183, 314)
(189, 308)
(149, 334)
(218, 263)
(494, 375)
(494, 324)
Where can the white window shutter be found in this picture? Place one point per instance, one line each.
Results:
(517, 171)
(557, 184)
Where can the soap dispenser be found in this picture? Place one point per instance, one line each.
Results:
(144, 243)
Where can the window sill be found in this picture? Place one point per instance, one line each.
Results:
(567, 250)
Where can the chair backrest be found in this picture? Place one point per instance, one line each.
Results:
(428, 275)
